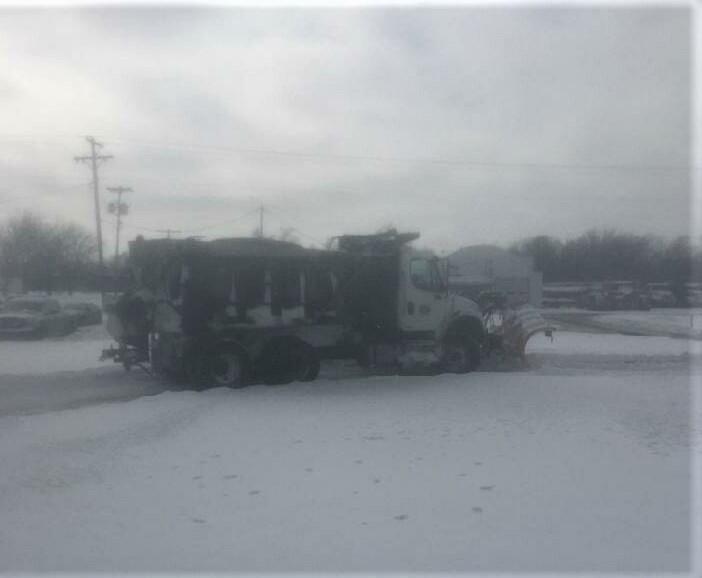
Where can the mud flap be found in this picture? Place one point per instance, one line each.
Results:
(519, 325)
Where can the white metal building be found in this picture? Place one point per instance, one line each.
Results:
(489, 267)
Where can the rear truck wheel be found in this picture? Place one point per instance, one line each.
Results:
(286, 360)
(227, 368)
(461, 356)
(309, 363)
(222, 367)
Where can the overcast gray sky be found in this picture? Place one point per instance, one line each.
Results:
(471, 125)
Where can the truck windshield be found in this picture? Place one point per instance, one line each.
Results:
(425, 274)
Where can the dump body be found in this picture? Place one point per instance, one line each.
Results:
(189, 295)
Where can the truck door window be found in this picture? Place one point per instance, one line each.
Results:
(425, 274)
(437, 279)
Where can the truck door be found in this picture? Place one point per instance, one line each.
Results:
(423, 294)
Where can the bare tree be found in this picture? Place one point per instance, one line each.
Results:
(611, 255)
(43, 255)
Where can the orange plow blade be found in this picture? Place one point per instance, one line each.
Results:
(519, 325)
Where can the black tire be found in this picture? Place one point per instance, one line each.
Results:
(286, 360)
(461, 356)
(473, 354)
(310, 364)
(194, 371)
(226, 366)
(41, 332)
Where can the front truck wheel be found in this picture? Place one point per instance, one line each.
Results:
(461, 356)
(461, 345)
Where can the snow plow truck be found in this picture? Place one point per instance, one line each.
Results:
(236, 311)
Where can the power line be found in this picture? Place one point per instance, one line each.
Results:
(15, 199)
(419, 160)
(52, 189)
(391, 159)
(195, 230)
(137, 227)
(33, 140)
(227, 222)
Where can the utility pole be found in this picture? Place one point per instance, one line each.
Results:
(260, 222)
(119, 208)
(94, 157)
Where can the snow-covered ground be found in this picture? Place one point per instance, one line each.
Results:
(64, 297)
(75, 352)
(681, 322)
(609, 344)
(581, 463)
(685, 323)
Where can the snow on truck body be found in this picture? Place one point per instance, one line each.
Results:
(235, 311)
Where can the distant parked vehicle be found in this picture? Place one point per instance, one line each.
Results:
(615, 296)
(556, 295)
(662, 298)
(34, 318)
(661, 295)
(85, 313)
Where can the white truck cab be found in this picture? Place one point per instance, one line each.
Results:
(428, 312)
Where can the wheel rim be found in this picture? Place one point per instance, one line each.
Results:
(226, 369)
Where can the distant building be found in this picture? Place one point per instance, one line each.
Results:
(491, 268)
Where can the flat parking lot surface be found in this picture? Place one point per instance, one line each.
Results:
(581, 462)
